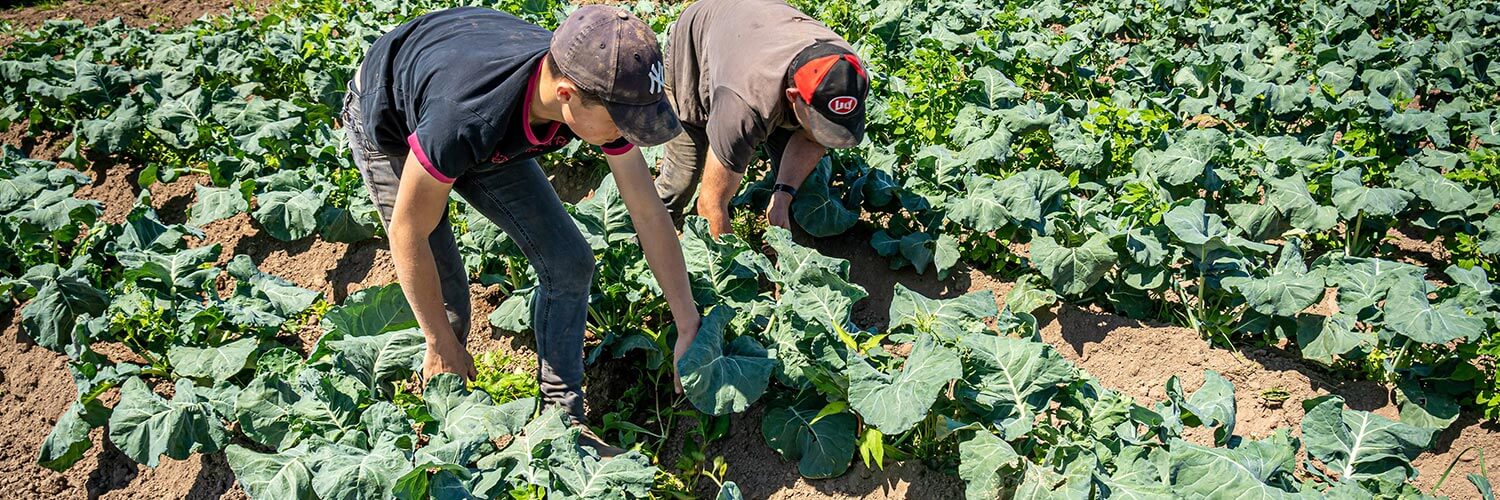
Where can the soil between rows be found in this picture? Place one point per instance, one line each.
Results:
(1126, 355)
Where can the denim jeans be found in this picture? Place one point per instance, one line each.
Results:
(518, 198)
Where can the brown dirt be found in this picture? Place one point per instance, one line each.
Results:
(137, 13)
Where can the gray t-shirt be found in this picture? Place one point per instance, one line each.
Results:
(727, 64)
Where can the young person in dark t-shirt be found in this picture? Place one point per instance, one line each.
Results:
(747, 73)
(462, 100)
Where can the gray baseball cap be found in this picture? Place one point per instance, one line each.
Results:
(612, 54)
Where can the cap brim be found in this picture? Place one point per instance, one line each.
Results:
(836, 135)
(646, 124)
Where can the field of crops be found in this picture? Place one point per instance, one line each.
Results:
(1129, 249)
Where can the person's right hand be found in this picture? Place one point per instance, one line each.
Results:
(447, 357)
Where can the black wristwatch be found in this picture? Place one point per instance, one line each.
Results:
(785, 187)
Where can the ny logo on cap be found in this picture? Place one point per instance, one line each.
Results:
(658, 78)
(843, 105)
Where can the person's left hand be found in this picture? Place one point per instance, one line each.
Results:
(685, 336)
(779, 213)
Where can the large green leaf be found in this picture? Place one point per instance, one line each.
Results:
(370, 311)
(578, 474)
(16, 188)
(145, 426)
(50, 316)
(607, 207)
(824, 299)
(1203, 232)
(182, 272)
(214, 363)
(1027, 296)
(1354, 445)
(1291, 196)
(285, 297)
(289, 215)
(1428, 406)
(1012, 379)
(264, 410)
(1287, 290)
(346, 225)
(895, 403)
(459, 412)
(721, 379)
(948, 319)
(1428, 185)
(1410, 313)
(1324, 337)
(69, 438)
(525, 457)
(1193, 155)
(376, 359)
(1252, 470)
(282, 475)
(1028, 194)
(980, 460)
(349, 473)
(1076, 148)
(1362, 283)
(994, 87)
(822, 449)
(216, 203)
(796, 264)
(56, 212)
(980, 208)
(1211, 405)
(817, 209)
(1072, 269)
(1352, 197)
(722, 268)
(326, 406)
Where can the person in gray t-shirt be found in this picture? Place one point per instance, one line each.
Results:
(746, 73)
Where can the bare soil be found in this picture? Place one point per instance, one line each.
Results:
(135, 13)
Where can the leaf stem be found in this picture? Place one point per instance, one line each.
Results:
(1451, 464)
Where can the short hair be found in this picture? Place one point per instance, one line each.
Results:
(588, 98)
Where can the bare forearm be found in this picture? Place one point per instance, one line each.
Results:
(417, 271)
(657, 236)
(798, 162)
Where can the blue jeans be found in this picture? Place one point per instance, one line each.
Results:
(518, 198)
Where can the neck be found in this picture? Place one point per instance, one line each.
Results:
(544, 104)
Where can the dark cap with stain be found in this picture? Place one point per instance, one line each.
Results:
(612, 54)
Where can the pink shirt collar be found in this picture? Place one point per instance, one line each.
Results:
(536, 73)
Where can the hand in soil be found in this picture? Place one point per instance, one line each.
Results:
(447, 357)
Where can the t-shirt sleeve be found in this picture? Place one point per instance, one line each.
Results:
(734, 129)
(617, 147)
(449, 139)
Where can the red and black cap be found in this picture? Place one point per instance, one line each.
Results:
(612, 54)
(832, 81)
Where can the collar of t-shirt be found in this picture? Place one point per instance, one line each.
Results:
(617, 147)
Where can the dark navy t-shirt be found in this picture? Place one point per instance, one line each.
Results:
(454, 87)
